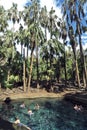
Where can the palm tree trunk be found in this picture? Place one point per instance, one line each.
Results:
(58, 71)
(77, 78)
(30, 72)
(27, 52)
(21, 49)
(83, 63)
(77, 74)
(37, 65)
(13, 42)
(65, 67)
(24, 77)
(8, 76)
(45, 33)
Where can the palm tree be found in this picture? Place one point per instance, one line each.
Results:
(50, 47)
(31, 18)
(75, 9)
(5, 40)
(24, 71)
(79, 30)
(63, 35)
(20, 37)
(52, 28)
(7, 53)
(73, 43)
(3, 19)
(3, 29)
(44, 20)
(13, 16)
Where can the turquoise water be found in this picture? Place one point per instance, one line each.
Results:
(53, 114)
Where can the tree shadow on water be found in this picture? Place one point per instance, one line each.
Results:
(48, 105)
(5, 125)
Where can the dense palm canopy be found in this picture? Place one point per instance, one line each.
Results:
(47, 58)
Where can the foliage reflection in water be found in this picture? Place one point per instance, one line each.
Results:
(53, 114)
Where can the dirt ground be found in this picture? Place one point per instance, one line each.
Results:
(73, 94)
(34, 93)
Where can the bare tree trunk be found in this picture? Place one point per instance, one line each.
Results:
(65, 67)
(27, 52)
(30, 72)
(0, 86)
(83, 63)
(8, 76)
(77, 78)
(13, 42)
(77, 74)
(37, 65)
(21, 49)
(24, 75)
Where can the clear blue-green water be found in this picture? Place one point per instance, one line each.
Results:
(54, 114)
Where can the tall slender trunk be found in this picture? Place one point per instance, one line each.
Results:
(24, 75)
(21, 49)
(45, 33)
(84, 75)
(47, 64)
(8, 75)
(27, 52)
(13, 41)
(77, 73)
(30, 71)
(51, 54)
(46, 41)
(77, 78)
(65, 67)
(37, 64)
(58, 71)
(0, 86)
